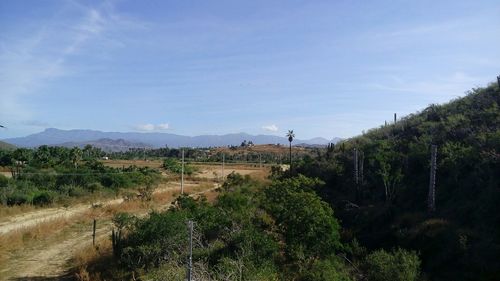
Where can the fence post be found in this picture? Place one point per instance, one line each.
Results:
(93, 233)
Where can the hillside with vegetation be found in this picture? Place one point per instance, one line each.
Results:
(388, 206)
(6, 146)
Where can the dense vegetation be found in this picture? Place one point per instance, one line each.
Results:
(388, 207)
(254, 231)
(47, 174)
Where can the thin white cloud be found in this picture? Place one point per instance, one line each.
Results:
(145, 127)
(151, 127)
(163, 126)
(270, 128)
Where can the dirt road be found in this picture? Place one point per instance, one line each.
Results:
(44, 215)
(49, 259)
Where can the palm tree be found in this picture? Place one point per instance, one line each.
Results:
(290, 136)
(76, 155)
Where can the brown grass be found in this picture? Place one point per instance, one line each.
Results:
(90, 256)
(22, 238)
(15, 210)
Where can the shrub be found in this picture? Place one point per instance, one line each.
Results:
(17, 198)
(326, 270)
(398, 265)
(174, 166)
(76, 191)
(94, 186)
(4, 181)
(43, 198)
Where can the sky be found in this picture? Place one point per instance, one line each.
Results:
(322, 68)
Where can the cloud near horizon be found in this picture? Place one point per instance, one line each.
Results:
(270, 128)
(152, 127)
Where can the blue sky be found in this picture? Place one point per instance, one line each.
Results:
(322, 68)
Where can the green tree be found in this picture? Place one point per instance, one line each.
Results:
(397, 265)
(389, 169)
(305, 221)
(42, 156)
(76, 155)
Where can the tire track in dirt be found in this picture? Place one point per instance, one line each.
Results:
(36, 217)
(53, 260)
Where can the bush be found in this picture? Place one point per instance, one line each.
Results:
(326, 270)
(43, 198)
(116, 181)
(76, 191)
(17, 198)
(398, 265)
(4, 181)
(94, 186)
(174, 166)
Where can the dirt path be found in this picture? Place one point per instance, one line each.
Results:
(33, 218)
(49, 259)
(44, 262)
(50, 262)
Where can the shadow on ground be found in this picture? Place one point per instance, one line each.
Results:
(65, 277)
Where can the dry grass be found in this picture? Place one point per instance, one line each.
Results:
(89, 256)
(22, 238)
(15, 210)
(132, 206)
(10, 211)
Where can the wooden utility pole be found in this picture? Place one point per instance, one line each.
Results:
(498, 80)
(395, 118)
(222, 168)
(431, 199)
(182, 173)
(190, 259)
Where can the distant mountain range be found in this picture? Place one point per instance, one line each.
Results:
(128, 140)
(108, 145)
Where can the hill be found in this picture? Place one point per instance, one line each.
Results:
(388, 207)
(108, 145)
(5, 145)
(55, 137)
